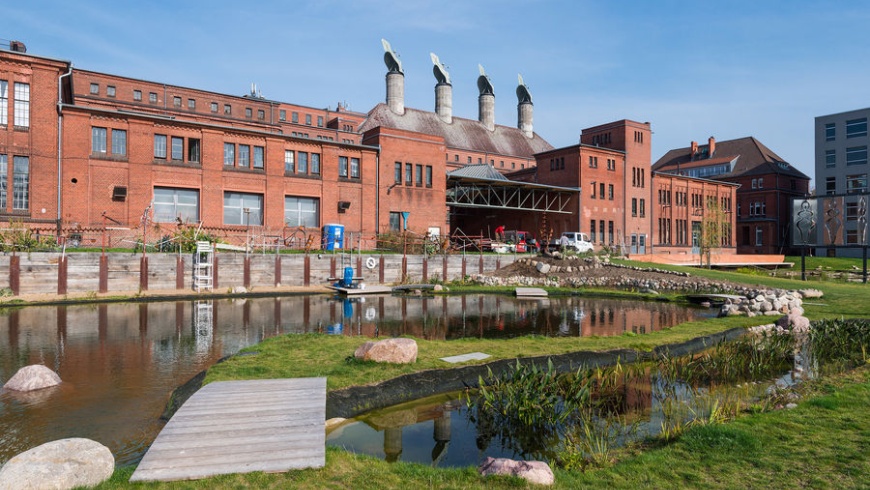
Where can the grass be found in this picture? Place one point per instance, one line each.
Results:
(823, 443)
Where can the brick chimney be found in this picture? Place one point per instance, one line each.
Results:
(711, 146)
(694, 149)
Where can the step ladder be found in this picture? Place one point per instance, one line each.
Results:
(203, 267)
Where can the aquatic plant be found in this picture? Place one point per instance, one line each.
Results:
(840, 342)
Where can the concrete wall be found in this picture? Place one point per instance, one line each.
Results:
(41, 273)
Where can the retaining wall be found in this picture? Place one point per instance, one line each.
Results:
(49, 272)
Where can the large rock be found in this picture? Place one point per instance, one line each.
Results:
(536, 472)
(67, 463)
(543, 267)
(396, 351)
(795, 322)
(33, 377)
(811, 293)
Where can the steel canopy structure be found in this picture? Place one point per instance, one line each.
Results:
(481, 186)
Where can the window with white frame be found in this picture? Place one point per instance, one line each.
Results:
(229, 154)
(759, 237)
(243, 209)
(244, 156)
(830, 158)
(98, 140)
(160, 146)
(22, 105)
(301, 211)
(354, 168)
(171, 204)
(259, 156)
(20, 183)
(119, 142)
(177, 148)
(830, 132)
(4, 102)
(342, 166)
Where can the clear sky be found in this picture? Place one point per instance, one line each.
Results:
(693, 69)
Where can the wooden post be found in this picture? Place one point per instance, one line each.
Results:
(179, 272)
(104, 273)
(306, 272)
(214, 279)
(381, 270)
(15, 274)
(143, 273)
(425, 269)
(277, 269)
(246, 272)
(62, 275)
(444, 269)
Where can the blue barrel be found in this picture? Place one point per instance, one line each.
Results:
(333, 237)
(347, 280)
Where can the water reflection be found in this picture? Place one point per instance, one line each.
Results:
(120, 362)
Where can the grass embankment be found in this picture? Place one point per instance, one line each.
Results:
(822, 443)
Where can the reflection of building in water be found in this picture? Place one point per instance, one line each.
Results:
(391, 422)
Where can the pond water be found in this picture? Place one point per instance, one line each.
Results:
(121, 361)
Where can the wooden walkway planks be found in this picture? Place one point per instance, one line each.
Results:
(270, 425)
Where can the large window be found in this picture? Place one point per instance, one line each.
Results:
(856, 155)
(302, 166)
(160, 146)
(4, 102)
(20, 183)
(856, 128)
(856, 184)
(315, 164)
(229, 154)
(830, 158)
(171, 204)
(830, 132)
(98, 140)
(354, 168)
(301, 211)
(342, 166)
(193, 150)
(243, 209)
(395, 221)
(119, 142)
(22, 105)
(244, 156)
(177, 148)
(259, 156)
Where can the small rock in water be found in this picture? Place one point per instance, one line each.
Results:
(33, 377)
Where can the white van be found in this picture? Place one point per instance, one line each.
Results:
(579, 240)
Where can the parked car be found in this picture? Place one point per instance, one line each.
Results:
(579, 241)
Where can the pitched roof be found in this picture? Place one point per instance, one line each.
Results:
(466, 134)
(750, 155)
(480, 171)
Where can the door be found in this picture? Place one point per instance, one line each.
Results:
(633, 249)
(641, 244)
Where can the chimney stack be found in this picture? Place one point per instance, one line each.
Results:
(524, 109)
(694, 149)
(711, 143)
(443, 90)
(486, 101)
(395, 79)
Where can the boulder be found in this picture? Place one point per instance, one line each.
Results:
(794, 321)
(33, 377)
(811, 293)
(67, 463)
(536, 472)
(396, 351)
(543, 267)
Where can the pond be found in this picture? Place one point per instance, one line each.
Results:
(121, 361)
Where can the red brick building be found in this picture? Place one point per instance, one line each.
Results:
(83, 151)
(767, 183)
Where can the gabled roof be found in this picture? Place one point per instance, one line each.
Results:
(480, 171)
(752, 157)
(465, 134)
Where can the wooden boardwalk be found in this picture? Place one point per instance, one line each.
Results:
(271, 425)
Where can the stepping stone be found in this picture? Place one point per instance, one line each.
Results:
(474, 356)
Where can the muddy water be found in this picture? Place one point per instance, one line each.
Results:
(120, 362)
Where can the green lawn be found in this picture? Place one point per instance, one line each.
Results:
(822, 444)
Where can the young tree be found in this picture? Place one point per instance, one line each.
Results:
(714, 226)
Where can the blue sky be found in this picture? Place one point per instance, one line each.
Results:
(693, 69)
